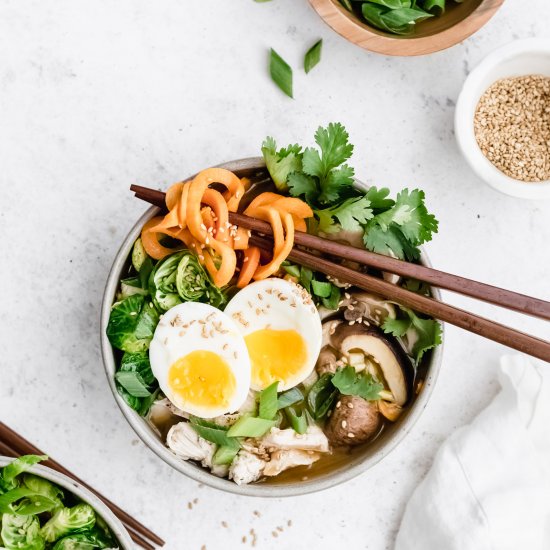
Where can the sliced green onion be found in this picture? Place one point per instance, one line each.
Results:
(226, 453)
(133, 383)
(268, 402)
(334, 299)
(250, 426)
(321, 288)
(281, 72)
(313, 56)
(293, 270)
(211, 432)
(298, 422)
(289, 397)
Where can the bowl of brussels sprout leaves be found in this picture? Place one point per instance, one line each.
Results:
(43, 509)
(406, 27)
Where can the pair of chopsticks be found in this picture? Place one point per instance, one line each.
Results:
(14, 445)
(471, 322)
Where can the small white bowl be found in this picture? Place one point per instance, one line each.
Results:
(520, 58)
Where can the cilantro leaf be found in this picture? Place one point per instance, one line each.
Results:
(427, 331)
(337, 182)
(281, 163)
(399, 230)
(335, 150)
(390, 242)
(350, 214)
(379, 199)
(411, 214)
(349, 382)
(301, 184)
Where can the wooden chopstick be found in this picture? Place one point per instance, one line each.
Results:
(502, 334)
(16, 445)
(461, 285)
(468, 321)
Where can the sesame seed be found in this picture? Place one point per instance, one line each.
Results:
(344, 424)
(351, 435)
(203, 226)
(339, 404)
(350, 405)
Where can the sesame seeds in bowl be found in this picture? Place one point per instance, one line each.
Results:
(502, 119)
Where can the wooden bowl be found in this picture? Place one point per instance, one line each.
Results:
(438, 33)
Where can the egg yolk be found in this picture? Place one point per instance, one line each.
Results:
(276, 355)
(202, 378)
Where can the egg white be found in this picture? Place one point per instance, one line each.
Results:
(279, 304)
(180, 332)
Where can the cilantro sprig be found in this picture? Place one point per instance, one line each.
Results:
(427, 331)
(323, 178)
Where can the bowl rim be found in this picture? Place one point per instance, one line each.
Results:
(339, 19)
(151, 440)
(464, 121)
(119, 531)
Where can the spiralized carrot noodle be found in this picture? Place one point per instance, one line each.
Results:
(198, 216)
(251, 261)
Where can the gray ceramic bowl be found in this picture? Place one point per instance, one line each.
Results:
(71, 486)
(358, 463)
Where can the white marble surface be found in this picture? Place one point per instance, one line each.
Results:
(97, 95)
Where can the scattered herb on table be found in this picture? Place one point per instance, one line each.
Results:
(281, 72)
(313, 56)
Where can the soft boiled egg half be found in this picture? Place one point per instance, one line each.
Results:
(282, 330)
(200, 359)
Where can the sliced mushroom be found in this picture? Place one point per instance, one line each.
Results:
(329, 327)
(363, 306)
(389, 356)
(326, 361)
(392, 411)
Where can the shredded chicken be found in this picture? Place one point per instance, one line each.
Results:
(284, 459)
(313, 440)
(168, 405)
(246, 468)
(186, 444)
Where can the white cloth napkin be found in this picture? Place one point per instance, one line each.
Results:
(489, 486)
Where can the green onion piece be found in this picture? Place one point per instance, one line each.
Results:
(290, 397)
(211, 432)
(281, 72)
(334, 299)
(321, 288)
(298, 422)
(250, 426)
(306, 276)
(133, 383)
(346, 4)
(226, 453)
(293, 270)
(313, 56)
(321, 396)
(268, 402)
